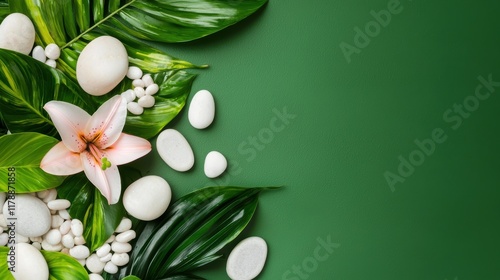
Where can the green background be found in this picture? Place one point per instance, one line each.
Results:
(351, 123)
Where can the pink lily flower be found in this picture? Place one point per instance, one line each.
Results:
(93, 144)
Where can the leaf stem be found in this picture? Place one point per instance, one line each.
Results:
(97, 24)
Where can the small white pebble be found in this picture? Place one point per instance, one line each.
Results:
(43, 194)
(4, 238)
(38, 239)
(94, 264)
(147, 101)
(111, 268)
(38, 53)
(120, 259)
(94, 276)
(52, 51)
(139, 92)
(57, 221)
(52, 63)
(106, 258)
(81, 261)
(53, 212)
(110, 239)
(125, 224)
(79, 240)
(148, 80)
(53, 237)
(152, 89)
(51, 195)
(3, 222)
(119, 247)
(134, 73)
(65, 251)
(103, 250)
(37, 245)
(65, 227)
(22, 239)
(53, 248)
(135, 108)
(129, 95)
(76, 227)
(126, 236)
(68, 241)
(215, 164)
(79, 252)
(59, 204)
(64, 214)
(138, 83)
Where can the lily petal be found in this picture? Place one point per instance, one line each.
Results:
(107, 181)
(61, 161)
(70, 121)
(127, 148)
(106, 125)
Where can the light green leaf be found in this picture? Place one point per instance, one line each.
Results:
(64, 267)
(4, 268)
(24, 152)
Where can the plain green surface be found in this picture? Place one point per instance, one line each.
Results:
(351, 122)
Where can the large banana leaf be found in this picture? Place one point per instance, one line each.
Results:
(20, 158)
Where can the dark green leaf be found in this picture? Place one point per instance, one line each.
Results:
(4, 9)
(24, 152)
(64, 267)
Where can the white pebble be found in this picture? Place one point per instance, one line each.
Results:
(53, 237)
(59, 204)
(103, 250)
(139, 92)
(106, 258)
(2, 201)
(135, 108)
(152, 89)
(49, 247)
(4, 238)
(68, 241)
(37, 245)
(52, 63)
(138, 83)
(94, 276)
(148, 80)
(112, 237)
(81, 261)
(64, 214)
(51, 195)
(3, 221)
(129, 95)
(65, 251)
(32, 266)
(38, 53)
(175, 150)
(149, 190)
(79, 252)
(146, 101)
(33, 216)
(79, 240)
(120, 259)
(17, 33)
(38, 239)
(94, 264)
(215, 164)
(126, 236)
(76, 227)
(247, 259)
(134, 72)
(43, 194)
(22, 239)
(111, 268)
(119, 247)
(125, 224)
(52, 51)
(65, 227)
(201, 109)
(57, 221)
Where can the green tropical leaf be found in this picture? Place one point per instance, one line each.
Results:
(4, 9)
(24, 152)
(64, 267)
(26, 85)
(88, 205)
(4, 268)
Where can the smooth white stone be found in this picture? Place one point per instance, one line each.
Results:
(103, 250)
(59, 204)
(129, 95)
(139, 92)
(38, 239)
(38, 53)
(52, 63)
(17, 33)
(147, 198)
(37, 245)
(42, 194)
(201, 109)
(53, 237)
(4, 238)
(94, 276)
(247, 259)
(68, 241)
(120, 259)
(22, 239)
(111, 238)
(57, 221)
(33, 216)
(138, 83)
(126, 236)
(65, 227)
(65, 251)
(119, 247)
(134, 72)
(215, 164)
(30, 264)
(111, 268)
(152, 89)
(125, 224)
(79, 240)
(51, 195)
(148, 80)
(76, 227)
(81, 261)
(147, 101)
(175, 150)
(135, 108)
(52, 51)
(94, 264)
(106, 258)
(79, 252)
(3, 221)
(102, 65)
(64, 214)
(49, 247)
(2, 201)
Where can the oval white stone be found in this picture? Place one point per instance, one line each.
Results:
(201, 109)
(111, 268)
(76, 227)
(119, 247)
(106, 258)
(4, 238)
(57, 221)
(53, 248)
(53, 237)
(51, 195)
(125, 224)
(30, 263)
(38, 53)
(94, 264)
(135, 108)
(52, 63)
(139, 92)
(94, 276)
(146, 101)
(134, 72)
(79, 252)
(152, 191)
(215, 164)
(33, 216)
(17, 33)
(68, 241)
(65, 227)
(247, 259)
(64, 214)
(175, 150)
(59, 204)
(152, 89)
(101, 66)
(52, 51)
(129, 95)
(126, 236)
(120, 259)
(148, 80)
(138, 83)
(103, 250)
